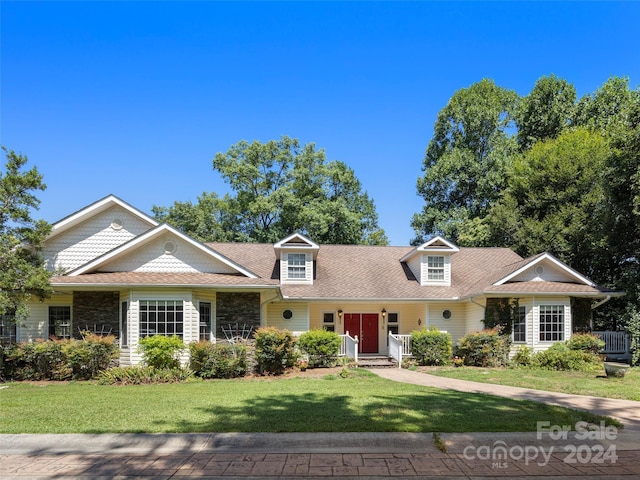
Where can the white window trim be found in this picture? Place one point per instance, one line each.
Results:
(524, 322)
(563, 328)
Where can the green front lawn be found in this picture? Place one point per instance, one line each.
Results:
(362, 402)
(578, 383)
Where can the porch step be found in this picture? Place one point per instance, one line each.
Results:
(377, 362)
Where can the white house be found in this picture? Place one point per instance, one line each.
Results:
(119, 271)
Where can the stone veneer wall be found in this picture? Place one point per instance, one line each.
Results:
(97, 311)
(237, 308)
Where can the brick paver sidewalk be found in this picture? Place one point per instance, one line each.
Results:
(304, 465)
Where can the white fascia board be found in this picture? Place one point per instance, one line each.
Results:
(60, 287)
(449, 247)
(95, 208)
(310, 245)
(371, 300)
(151, 235)
(547, 256)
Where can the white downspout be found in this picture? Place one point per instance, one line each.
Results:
(601, 302)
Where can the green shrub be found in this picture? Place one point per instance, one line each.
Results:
(322, 347)
(487, 348)
(58, 359)
(431, 347)
(141, 375)
(91, 355)
(159, 351)
(275, 350)
(522, 357)
(585, 342)
(560, 357)
(218, 360)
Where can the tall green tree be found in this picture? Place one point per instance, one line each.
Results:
(280, 187)
(546, 111)
(614, 111)
(22, 272)
(466, 160)
(554, 200)
(211, 218)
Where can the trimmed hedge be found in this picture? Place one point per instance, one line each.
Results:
(59, 359)
(431, 347)
(487, 348)
(322, 347)
(218, 360)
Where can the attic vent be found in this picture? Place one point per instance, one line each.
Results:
(169, 247)
(539, 269)
(117, 224)
(287, 314)
(446, 314)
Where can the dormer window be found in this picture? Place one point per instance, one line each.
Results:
(435, 268)
(297, 255)
(296, 266)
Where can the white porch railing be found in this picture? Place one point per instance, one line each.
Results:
(399, 346)
(615, 342)
(349, 347)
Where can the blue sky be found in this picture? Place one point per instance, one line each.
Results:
(136, 98)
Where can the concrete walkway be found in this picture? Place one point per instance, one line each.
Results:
(627, 411)
(611, 454)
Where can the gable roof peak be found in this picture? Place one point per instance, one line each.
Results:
(296, 241)
(435, 244)
(95, 208)
(156, 232)
(530, 262)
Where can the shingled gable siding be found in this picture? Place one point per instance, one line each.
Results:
(240, 308)
(92, 238)
(97, 311)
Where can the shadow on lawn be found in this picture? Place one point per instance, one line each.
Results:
(430, 411)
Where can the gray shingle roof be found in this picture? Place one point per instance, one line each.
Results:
(352, 272)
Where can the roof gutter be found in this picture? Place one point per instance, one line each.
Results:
(601, 302)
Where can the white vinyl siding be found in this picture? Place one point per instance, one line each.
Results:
(91, 239)
(299, 321)
(153, 257)
(435, 270)
(455, 325)
(296, 267)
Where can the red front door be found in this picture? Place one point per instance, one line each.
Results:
(365, 326)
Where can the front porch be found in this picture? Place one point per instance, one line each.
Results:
(617, 345)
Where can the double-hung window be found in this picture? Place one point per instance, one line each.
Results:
(8, 329)
(519, 327)
(392, 325)
(435, 267)
(328, 322)
(296, 266)
(205, 320)
(60, 322)
(161, 317)
(551, 323)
